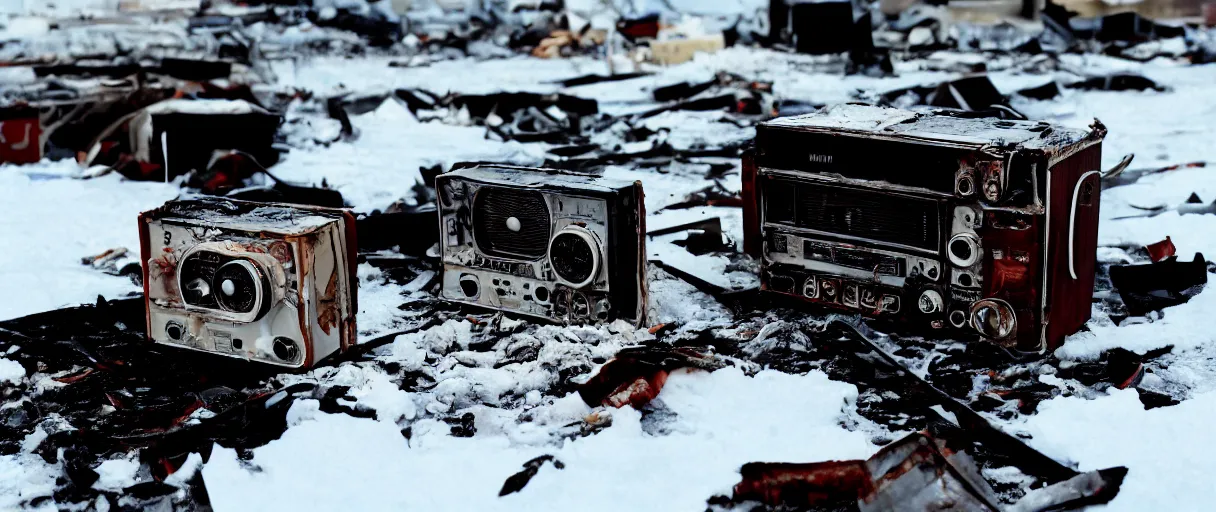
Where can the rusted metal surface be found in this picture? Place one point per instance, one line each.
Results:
(917, 473)
(1071, 244)
(302, 268)
(912, 474)
(635, 376)
(751, 206)
(804, 485)
(20, 136)
(943, 222)
(1161, 250)
(1014, 270)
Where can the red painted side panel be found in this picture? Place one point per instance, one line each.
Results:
(1013, 269)
(350, 333)
(145, 259)
(751, 206)
(20, 140)
(1069, 298)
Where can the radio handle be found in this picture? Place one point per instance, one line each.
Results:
(1072, 223)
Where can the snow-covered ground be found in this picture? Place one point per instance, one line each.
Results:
(705, 425)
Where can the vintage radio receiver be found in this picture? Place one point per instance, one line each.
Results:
(931, 219)
(260, 281)
(565, 247)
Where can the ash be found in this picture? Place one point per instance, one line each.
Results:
(445, 408)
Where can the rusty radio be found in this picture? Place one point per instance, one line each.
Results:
(264, 282)
(929, 219)
(564, 247)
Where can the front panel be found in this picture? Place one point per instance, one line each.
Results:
(868, 250)
(979, 227)
(943, 248)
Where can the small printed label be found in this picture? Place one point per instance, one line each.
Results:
(820, 159)
(962, 295)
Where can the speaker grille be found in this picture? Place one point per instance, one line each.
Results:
(857, 213)
(492, 210)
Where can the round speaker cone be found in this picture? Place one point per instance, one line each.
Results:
(285, 348)
(961, 249)
(964, 250)
(239, 286)
(573, 258)
(993, 318)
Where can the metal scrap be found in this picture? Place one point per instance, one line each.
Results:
(975, 93)
(516, 482)
(916, 473)
(1134, 175)
(636, 375)
(1161, 250)
(1155, 286)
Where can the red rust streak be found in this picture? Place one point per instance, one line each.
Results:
(804, 484)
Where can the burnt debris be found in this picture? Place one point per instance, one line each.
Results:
(1159, 285)
(971, 94)
(916, 473)
(116, 393)
(516, 482)
(635, 376)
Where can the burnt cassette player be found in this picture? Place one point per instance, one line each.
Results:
(930, 219)
(565, 247)
(260, 281)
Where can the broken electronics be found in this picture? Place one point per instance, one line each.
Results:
(930, 220)
(952, 247)
(551, 244)
(263, 282)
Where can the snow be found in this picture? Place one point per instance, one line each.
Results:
(116, 474)
(1177, 327)
(1168, 451)
(601, 471)
(707, 426)
(336, 462)
(23, 477)
(11, 372)
(59, 220)
(221, 107)
(382, 165)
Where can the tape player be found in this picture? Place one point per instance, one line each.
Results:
(931, 219)
(260, 281)
(565, 247)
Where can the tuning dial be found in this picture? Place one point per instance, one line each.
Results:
(964, 249)
(575, 256)
(993, 318)
(827, 289)
(964, 186)
(930, 302)
(810, 288)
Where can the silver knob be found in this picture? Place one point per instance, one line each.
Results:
(930, 302)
